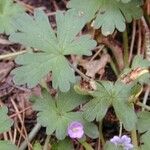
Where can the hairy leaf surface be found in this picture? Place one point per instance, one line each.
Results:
(109, 14)
(65, 144)
(56, 114)
(8, 10)
(36, 32)
(7, 145)
(5, 121)
(145, 141)
(143, 123)
(107, 94)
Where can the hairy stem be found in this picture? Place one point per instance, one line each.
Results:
(86, 145)
(120, 131)
(132, 41)
(126, 48)
(101, 137)
(134, 138)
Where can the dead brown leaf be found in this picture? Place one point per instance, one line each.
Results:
(5, 42)
(95, 66)
(5, 68)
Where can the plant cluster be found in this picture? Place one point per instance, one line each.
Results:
(76, 111)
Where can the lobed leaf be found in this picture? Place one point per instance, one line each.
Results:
(145, 141)
(109, 14)
(98, 106)
(36, 32)
(56, 114)
(143, 123)
(65, 144)
(8, 11)
(108, 94)
(7, 145)
(5, 121)
(138, 61)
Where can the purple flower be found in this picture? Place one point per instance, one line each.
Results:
(75, 130)
(123, 141)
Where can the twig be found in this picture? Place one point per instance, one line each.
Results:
(120, 131)
(21, 120)
(10, 136)
(12, 55)
(80, 73)
(20, 134)
(31, 135)
(26, 6)
(15, 135)
(97, 53)
(5, 136)
(14, 115)
(144, 106)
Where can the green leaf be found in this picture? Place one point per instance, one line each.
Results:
(70, 100)
(56, 114)
(109, 14)
(145, 141)
(7, 145)
(63, 145)
(111, 146)
(138, 61)
(36, 32)
(91, 130)
(8, 10)
(37, 146)
(143, 123)
(123, 109)
(125, 113)
(102, 98)
(5, 121)
(87, 146)
(86, 8)
(116, 94)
